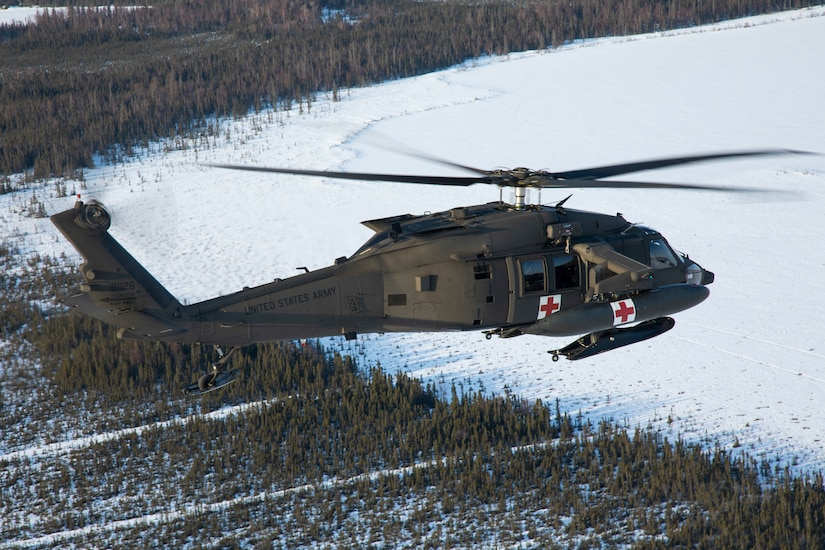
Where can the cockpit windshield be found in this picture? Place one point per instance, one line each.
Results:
(661, 255)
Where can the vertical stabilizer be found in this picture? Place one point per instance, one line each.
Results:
(116, 288)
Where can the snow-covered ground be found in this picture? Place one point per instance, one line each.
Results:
(18, 14)
(746, 368)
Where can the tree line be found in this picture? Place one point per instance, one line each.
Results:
(480, 470)
(81, 83)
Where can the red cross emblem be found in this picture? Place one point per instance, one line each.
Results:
(624, 311)
(548, 305)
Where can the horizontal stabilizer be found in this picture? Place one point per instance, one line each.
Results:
(132, 324)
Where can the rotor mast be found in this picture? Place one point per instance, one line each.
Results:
(520, 202)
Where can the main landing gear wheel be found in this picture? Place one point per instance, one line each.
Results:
(216, 378)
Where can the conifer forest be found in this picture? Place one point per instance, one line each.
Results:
(125, 75)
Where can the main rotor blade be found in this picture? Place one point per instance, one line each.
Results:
(552, 183)
(619, 169)
(535, 181)
(522, 177)
(397, 178)
(389, 144)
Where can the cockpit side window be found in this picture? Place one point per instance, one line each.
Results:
(566, 271)
(532, 275)
(661, 256)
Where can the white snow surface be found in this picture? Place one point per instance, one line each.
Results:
(745, 370)
(19, 14)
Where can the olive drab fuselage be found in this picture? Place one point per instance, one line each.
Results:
(541, 270)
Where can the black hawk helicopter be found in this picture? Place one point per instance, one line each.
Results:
(504, 269)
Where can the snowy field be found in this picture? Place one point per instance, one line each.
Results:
(743, 370)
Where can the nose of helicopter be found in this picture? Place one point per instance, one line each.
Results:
(697, 275)
(707, 277)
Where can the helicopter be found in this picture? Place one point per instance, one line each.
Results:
(502, 269)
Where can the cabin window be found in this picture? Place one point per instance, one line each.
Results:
(532, 276)
(566, 271)
(661, 256)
